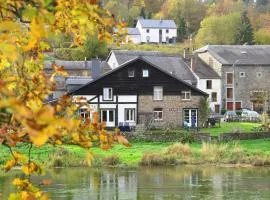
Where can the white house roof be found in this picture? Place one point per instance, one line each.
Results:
(243, 54)
(133, 31)
(152, 23)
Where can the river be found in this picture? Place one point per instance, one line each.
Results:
(182, 182)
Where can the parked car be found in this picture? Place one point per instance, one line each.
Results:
(230, 114)
(249, 113)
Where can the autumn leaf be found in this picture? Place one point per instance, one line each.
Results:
(9, 165)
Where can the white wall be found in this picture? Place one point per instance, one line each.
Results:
(216, 87)
(121, 112)
(112, 61)
(127, 98)
(136, 39)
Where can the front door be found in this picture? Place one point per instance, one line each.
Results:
(160, 36)
(108, 116)
(191, 117)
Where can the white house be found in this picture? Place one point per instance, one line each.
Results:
(157, 31)
(133, 36)
(208, 81)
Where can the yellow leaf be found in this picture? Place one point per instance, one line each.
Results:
(9, 165)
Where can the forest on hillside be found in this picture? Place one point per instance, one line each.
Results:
(202, 21)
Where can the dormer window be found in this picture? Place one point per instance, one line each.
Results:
(145, 73)
(147, 31)
(107, 94)
(131, 73)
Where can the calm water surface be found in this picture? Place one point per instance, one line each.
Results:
(187, 182)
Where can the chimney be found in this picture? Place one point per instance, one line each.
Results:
(96, 68)
(160, 19)
(186, 53)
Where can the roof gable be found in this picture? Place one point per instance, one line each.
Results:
(129, 63)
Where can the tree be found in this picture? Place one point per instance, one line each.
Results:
(218, 29)
(182, 29)
(94, 48)
(24, 86)
(142, 14)
(204, 111)
(262, 36)
(244, 34)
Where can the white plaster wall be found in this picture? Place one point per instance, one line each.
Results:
(216, 87)
(107, 106)
(121, 112)
(127, 98)
(154, 34)
(136, 39)
(112, 61)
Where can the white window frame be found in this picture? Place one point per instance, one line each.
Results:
(185, 95)
(131, 73)
(145, 73)
(156, 114)
(107, 94)
(84, 113)
(209, 80)
(131, 114)
(242, 74)
(158, 93)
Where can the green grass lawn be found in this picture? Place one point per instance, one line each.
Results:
(229, 127)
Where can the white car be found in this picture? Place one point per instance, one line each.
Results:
(249, 113)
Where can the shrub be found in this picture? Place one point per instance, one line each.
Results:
(187, 138)
(213, 152)
(178, 150)
(155, 159)
(69, 54)
(112, 160)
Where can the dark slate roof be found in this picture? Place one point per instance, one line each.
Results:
(243, 54)
(172, 64)
(152, 23)
(133, 31)
(202, 70)
(73, 65)
(144, 59)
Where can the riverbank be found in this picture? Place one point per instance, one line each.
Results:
(246, 152)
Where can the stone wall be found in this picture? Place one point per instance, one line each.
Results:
(172, 107)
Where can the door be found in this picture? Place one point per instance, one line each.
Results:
(108, 116)
(191, 117)
(160, 36)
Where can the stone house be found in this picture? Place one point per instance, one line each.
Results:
(138, 91)
(244, 74)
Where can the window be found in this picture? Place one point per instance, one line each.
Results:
(147, 31)
(217, 108)
(229, 78)
(259, 74)
(107, 94)
(208, 84)
(145, 73)
(148, 39)
(158, 93)
(158, 114)
(186, 95)
(238, 105)
(229, 93)
(130, 114)
(131, 73)
(167, 30)
(229, 105)
(84, 113)
(214, 97)
(190, 117)
(242, 74)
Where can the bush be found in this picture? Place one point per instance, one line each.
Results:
(69, 54)
(112, 160)
(223, 111)
(155, 159)
(179, 150)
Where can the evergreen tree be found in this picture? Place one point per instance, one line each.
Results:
(244, 34)
(142, 14)
(182, 29)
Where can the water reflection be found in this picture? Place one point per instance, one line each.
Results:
(187, 182)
